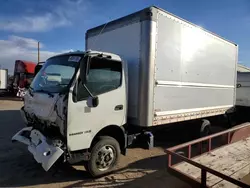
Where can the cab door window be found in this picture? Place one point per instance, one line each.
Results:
(104, 75)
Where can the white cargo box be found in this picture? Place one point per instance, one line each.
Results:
(3, 79)
(177, 71)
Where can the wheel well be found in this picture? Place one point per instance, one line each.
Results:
(113, 131)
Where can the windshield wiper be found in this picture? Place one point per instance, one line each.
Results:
(62, 84)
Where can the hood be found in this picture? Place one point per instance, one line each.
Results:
(42, 105)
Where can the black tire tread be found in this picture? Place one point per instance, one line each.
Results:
(102, 140)
(205, 125)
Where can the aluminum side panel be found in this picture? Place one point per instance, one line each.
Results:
(189, 54)
(147, 73)
(194, 69)
(171, 98)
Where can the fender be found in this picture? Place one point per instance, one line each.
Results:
(115, 131)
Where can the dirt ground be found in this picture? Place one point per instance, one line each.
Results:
(140, 168)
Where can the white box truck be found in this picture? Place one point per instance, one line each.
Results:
(141, 71)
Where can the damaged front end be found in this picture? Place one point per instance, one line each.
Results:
(45, 110)
(44, 134)
(44, 150)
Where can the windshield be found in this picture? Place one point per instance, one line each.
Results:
(56, 74)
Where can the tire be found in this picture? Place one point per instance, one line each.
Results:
(205, 128)
(105, 155)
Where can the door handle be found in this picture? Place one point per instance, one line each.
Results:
(119, 107)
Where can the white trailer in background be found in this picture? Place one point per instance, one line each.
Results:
(3, 79)
(242, 105)
(243, 89)
(141, 71)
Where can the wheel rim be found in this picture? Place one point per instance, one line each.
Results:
(105, 157)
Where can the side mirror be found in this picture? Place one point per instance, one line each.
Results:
(93, 102)
(84, 69)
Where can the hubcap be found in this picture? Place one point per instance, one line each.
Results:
(105, 157)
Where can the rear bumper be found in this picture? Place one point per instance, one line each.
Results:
(44, 153)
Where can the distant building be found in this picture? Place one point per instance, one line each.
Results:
(242, 68)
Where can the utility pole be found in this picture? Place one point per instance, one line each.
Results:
(38, 52)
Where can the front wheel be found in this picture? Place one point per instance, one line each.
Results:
(104, 156)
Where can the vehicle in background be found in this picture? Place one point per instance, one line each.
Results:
(243, 89)
(149, 69)
(242, 97)
(3, 79)
(23, 75)
(38, 67)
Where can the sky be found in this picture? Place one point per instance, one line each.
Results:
(60, 25)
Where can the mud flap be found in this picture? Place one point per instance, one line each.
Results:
(44, 153)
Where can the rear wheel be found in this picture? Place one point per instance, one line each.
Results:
(205, 128)
(104, 156)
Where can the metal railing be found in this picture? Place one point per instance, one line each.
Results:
(171, 152)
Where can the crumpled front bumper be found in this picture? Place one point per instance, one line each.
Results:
(43, 152)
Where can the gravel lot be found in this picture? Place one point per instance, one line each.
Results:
(140, 168)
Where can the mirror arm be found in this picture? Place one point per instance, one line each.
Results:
(88, 91)
(87, 67)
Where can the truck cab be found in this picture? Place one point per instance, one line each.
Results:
(66, 110)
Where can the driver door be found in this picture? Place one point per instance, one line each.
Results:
(105, 81)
